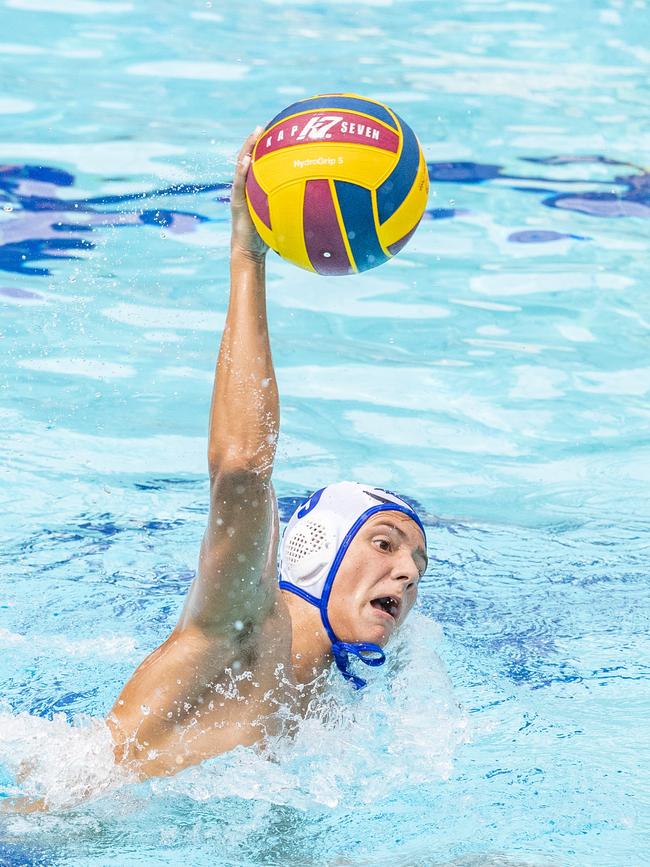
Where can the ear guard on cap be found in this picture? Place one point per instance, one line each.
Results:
(308, 550)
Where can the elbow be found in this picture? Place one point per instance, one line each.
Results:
(247, 467)
(238, 486)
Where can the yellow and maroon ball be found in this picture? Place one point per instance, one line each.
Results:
(337, 184)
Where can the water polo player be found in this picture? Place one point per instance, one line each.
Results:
(350, 561)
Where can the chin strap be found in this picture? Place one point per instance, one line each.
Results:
(342, 650)
(369, 654)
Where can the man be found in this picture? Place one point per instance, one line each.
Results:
(351, 560)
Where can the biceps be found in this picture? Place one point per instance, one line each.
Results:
(236, 578)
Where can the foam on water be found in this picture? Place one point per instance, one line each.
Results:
(329, 761)
(52, 761)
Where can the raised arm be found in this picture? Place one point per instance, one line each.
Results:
(235, 583)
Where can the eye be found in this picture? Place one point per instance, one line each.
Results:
(382, 544)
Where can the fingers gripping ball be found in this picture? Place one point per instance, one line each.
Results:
(337, 184)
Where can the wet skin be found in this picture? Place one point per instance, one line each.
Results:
(185, 703)
(241, 647)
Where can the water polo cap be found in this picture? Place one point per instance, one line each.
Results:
(314, 543)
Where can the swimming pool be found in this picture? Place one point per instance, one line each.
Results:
(496, 372)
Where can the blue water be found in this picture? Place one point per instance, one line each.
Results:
(497, 372)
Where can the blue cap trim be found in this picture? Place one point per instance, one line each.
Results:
(286, 585)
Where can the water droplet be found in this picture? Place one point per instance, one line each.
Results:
(7, 207)
(238, 625)
(146, 710)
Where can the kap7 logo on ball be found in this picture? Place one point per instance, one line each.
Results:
(346, 127)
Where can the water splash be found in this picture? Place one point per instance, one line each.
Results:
(402, 732)
(55, 763)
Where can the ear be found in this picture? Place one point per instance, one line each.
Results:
(309, 549)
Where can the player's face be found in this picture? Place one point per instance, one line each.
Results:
(377, 583)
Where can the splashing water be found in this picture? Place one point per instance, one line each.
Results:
(54, 762)
(391, 737)
(382, 745)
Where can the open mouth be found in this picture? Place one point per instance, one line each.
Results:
(389, 604)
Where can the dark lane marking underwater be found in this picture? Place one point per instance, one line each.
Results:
(633, 200)
(42, 226)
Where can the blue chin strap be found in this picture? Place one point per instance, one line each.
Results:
(342, 650)
(370, 654)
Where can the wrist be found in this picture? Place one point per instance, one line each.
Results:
(240, 256)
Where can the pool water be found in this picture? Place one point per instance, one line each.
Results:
(497, 372)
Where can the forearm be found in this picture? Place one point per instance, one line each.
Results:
(244, 417)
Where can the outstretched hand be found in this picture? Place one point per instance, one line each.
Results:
(244, 238)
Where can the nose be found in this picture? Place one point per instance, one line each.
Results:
(406, 570)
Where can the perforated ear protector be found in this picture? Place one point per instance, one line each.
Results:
(313, 546)
(308, 549)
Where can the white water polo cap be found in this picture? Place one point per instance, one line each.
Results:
(313, 546)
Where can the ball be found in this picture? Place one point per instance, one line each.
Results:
(337, 183)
